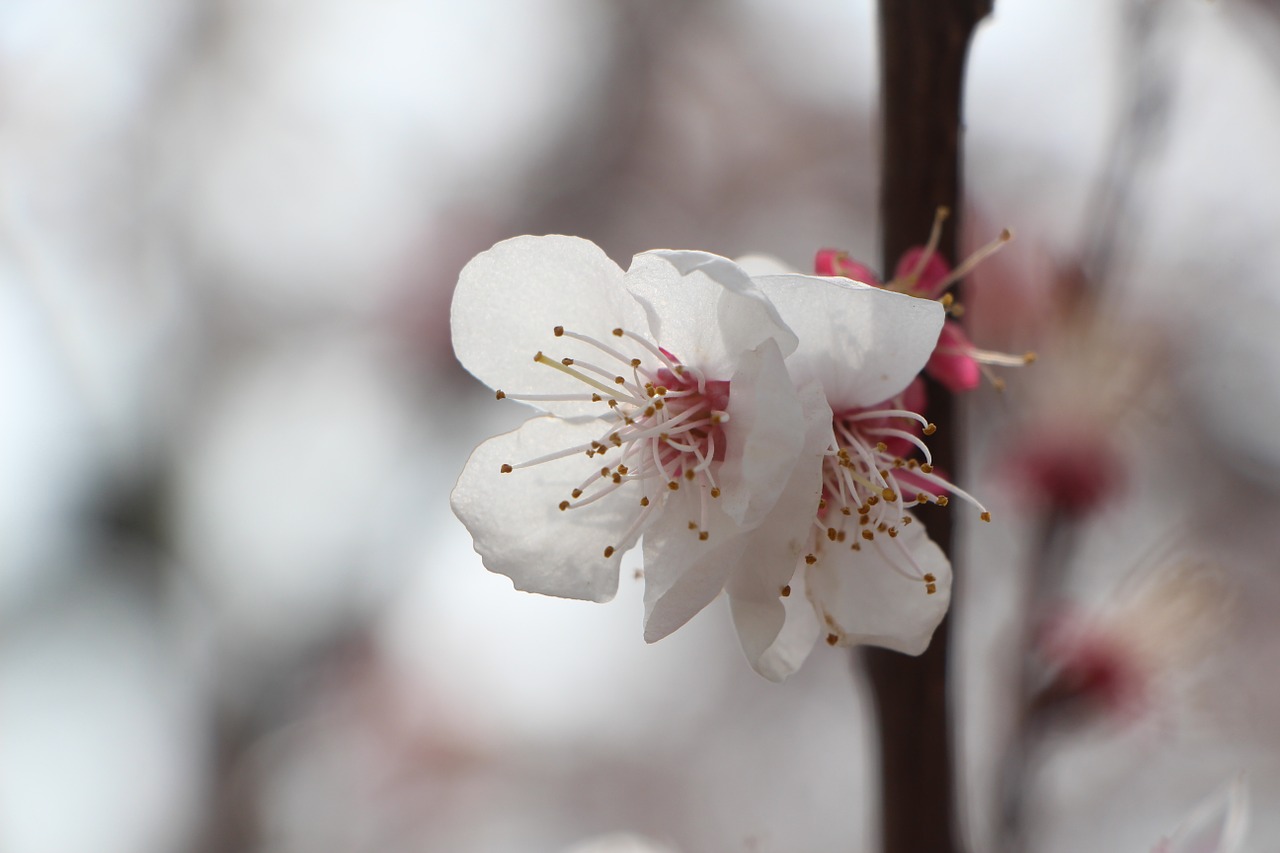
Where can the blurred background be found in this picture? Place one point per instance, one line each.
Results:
(235, 610)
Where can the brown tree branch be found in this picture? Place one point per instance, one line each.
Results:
(923, 47)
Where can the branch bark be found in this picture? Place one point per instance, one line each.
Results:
(923, 47)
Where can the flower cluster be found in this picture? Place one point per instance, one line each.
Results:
(956, 363)
(752, 429)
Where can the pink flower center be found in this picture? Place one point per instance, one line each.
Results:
(662, 425)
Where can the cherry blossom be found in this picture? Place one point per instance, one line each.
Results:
(869, 571)
(669, 414)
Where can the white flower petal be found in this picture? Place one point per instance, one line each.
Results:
(756, 265)
(683, 574)
(800, 632)
(516, 522)
(765, 435)
(704, 309)
(511, 297)
(771, 555)
(863, 599)
(864, 344)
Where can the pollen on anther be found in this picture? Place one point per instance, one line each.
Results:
(810, 558)
(986, 516)
(889, 495)
(635, 362)
(868, 535)
(506, 469)
(881, 446)
(926, 468)
(943, 500)
(785, 591)
(832, 639)
(608, 551)
(500, 394)
(715, 492)
(929, 429)
(619, 380)
(673, 486)
(930, 588)
(644, 501)
(558, 330)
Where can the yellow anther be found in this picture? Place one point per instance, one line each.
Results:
(946, 300)
(893, 532)
(623, 470)
(619, 380)
(986, 516)
(596, 398)
(635, 362)
(703, 536)
(1029, 357)
(661, 389)
(868, 535)
(889, 494)
(881, 447)
(943, 500)
(673, 486)
(929, 578)
(822, 503)
(644, 501)
(844, 510)
(810, 558)
(926, 468)
(690, 474)
(930, 588)
(577, 493)
(872, 500)
(559, 330)
(929, 429)
(715, 492)
(564, 505)
(500, 394)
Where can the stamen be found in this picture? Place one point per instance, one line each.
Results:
(966, 266)
(935, 235)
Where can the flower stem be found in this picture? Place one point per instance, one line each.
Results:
(923, 46)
